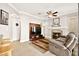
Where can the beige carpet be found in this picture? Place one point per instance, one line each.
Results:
(27, 49)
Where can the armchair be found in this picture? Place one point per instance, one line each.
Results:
(63, 49)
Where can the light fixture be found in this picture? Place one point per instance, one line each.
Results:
(50, 16)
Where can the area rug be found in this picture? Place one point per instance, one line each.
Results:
(41, 45)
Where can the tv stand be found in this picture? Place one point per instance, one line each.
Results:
(36, 37)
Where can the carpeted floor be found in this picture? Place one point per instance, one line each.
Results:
(27, 49)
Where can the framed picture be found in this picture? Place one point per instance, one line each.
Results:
(56, 21)
(4, 17)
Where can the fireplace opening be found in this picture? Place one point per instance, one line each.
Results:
(56, 34)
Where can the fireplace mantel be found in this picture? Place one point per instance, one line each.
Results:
(63, 29)
(59, 28)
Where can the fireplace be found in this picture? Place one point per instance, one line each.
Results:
(56, 33)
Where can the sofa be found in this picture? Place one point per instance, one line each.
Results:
(63, 46)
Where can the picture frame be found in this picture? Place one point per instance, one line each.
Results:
(56, 22)
(4, 17)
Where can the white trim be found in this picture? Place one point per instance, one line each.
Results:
(22, 12)
(15, 9)
(28, 14)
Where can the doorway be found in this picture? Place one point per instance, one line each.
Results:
(34, 30)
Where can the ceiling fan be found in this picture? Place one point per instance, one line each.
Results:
(51, 14)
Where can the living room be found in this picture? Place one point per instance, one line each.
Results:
(54, 19)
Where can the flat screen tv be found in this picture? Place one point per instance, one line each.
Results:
(38, 30)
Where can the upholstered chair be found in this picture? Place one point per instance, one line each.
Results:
(64, 48)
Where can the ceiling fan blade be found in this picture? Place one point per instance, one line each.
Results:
(54, 15)
(49, 12)
(55, 12)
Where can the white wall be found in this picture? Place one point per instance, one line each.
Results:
(64, 24)
(69, 23)
(73, 23)
(4, 28)
(13, 29)
(9, 31)
(24, 28)
(4, 31)
(25, 20)
(46, 25)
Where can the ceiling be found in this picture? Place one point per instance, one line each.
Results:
(6, 7)
(40, 9)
